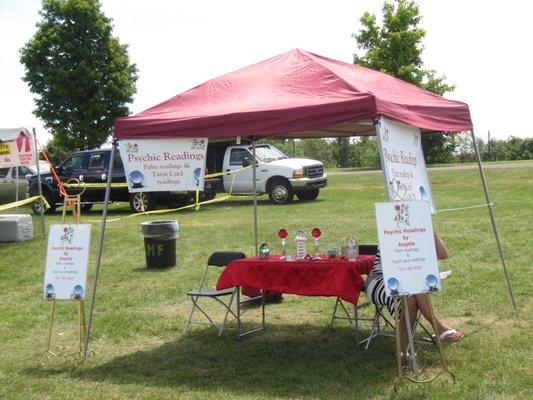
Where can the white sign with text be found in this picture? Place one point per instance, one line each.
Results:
(20, 151)
(67, 257)
(407, 247)
(160, 165)
(403, 162)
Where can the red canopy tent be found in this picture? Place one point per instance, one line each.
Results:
(295, 94)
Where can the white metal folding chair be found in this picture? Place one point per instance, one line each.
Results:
(365, 249)
(218, 259)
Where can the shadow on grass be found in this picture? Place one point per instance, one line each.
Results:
(286, 361)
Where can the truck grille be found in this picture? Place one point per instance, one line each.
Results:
(314, 171)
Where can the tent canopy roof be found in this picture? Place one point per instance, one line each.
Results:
(295, 94)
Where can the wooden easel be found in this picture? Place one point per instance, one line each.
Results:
(408, 361)
(72, 202)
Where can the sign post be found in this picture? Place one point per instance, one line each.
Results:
(39, 183)
(410, 266)
(65, 275)
(405, 234)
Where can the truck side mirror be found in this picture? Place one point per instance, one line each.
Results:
(245, 162)
(58, 169)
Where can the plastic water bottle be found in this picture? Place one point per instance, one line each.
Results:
(352, 248)
(301, 244)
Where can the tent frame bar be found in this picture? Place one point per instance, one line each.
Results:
(103, 221)
(39, 183)
(254, 178)
(492, 219)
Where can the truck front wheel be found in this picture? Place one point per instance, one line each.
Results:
(308, 195)
(38, 205)
(86, 207)
(280, 192)
(137, 200)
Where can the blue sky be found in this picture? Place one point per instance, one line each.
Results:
(482, 47)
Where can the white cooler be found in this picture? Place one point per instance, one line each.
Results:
(15, 227)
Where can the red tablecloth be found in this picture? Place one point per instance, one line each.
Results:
(324, 277)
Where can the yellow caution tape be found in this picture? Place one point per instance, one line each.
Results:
(227, 172)
(82, 185)
(23, 202)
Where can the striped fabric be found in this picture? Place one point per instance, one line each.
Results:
(375, 287)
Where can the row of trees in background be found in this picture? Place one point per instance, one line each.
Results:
(363, 152)
(342, 152)
(513, 148)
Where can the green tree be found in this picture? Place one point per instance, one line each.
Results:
(366, 152)
(341, 152)
(317, 149)
(395, 47)
(80, 73)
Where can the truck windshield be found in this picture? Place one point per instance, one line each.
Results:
(268, 153)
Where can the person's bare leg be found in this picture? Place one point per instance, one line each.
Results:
(423, 306)
(412, 308)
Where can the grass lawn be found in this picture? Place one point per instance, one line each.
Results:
(140, 351)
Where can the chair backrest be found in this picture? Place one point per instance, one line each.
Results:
(368, 249)
(223, 258)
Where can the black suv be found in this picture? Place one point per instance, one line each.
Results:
(91, 167)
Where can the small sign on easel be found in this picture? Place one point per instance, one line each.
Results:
(66, 262)
(65, 274)
(408, 254)
(410, 266)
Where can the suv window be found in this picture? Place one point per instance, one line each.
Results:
(118, 165)
(4, 172)
(96, 161)
(71, 164)
(23, 171)
(237, 156)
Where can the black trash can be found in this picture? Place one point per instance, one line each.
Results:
(160, 243)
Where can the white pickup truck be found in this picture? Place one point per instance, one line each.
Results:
(278, 175)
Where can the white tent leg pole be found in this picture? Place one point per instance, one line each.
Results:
(103, 221)
(16, 186)
(492, 220)
(254, 178)
(39, 186)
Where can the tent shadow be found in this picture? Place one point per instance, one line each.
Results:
(287, 361)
